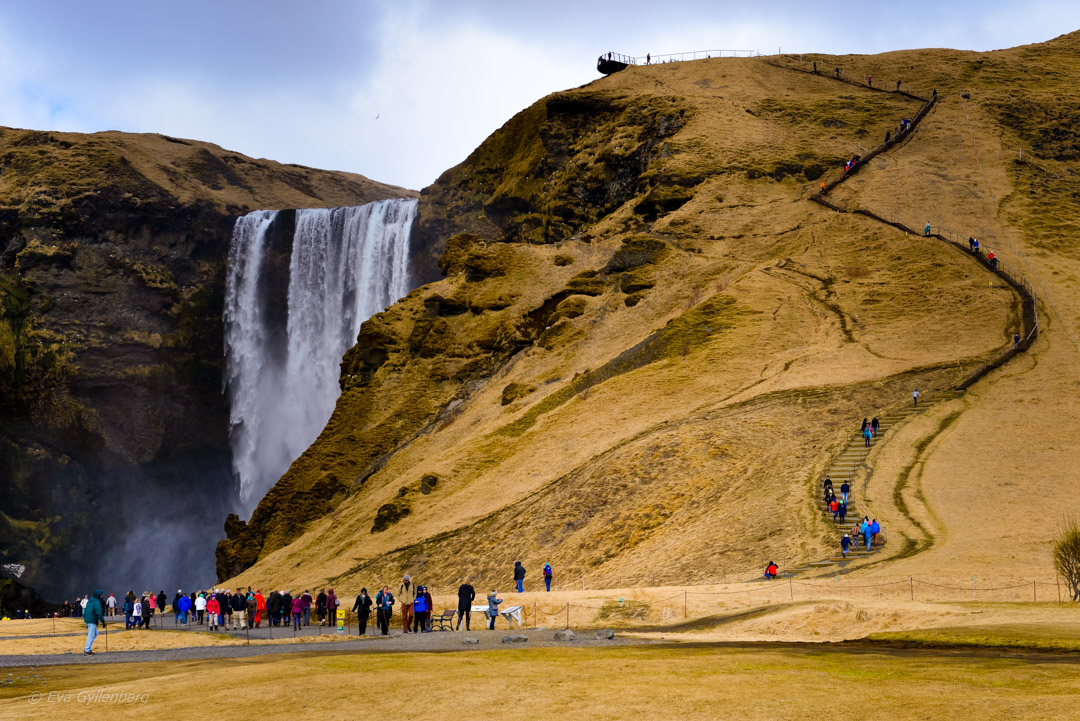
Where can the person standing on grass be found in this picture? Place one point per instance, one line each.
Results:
(547, 577)
(407, 596)
(213, 612)
(493, 608)
(466, 594)
(845, 489)
(845, 544)
(519, 576)
(384, 609)
(93, 614)
(362, 609)
(915, 397)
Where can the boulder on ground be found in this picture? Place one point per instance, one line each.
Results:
(515, 639)
(470, 640)
(605, 634)
(566, 635)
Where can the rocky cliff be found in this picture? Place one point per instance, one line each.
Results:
(114, 456)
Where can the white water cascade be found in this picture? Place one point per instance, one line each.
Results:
(282, 354)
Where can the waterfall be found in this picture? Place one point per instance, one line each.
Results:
(284, 337)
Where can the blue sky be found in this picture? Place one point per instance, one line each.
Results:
(402, 90)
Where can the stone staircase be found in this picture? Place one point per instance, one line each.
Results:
(845, 466)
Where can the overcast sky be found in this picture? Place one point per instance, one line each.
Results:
(401, 90)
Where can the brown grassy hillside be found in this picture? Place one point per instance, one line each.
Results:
(649, 344)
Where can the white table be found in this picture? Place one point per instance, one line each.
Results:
(510, 613)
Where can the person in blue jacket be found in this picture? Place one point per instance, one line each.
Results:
(547, 576)
(519, 576)
(93, 614)
(845, 544)
(182, 609)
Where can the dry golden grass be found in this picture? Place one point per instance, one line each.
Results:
(702, 682)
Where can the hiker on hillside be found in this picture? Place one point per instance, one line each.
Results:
(897, 86)
(992, 258)
(915, 397)
(648, 58)
(466, 594)
(519, 576)
(864, 528)
(844, 490)
(975, 249)
(93, 614)
(834, 508)
(845, 543)
(493, 608)
(384, 609)
(888, 137)
(362, 609)
(875, 529)
(407, 596)
(926, 230)
(971, 244)
(547, 577)
(1016, 340)
(866, 437)
(865, 423)
(838, 73)
(874, 426)
(935, 94)
(815, 68)
(870, 81)
(771, 570)
(843, 511)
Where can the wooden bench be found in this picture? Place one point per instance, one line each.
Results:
(444, 621)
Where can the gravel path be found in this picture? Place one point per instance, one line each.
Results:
(396, 642)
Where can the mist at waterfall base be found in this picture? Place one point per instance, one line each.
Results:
(300, 284)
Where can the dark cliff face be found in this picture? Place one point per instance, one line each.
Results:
(114, 457)
(550, 173)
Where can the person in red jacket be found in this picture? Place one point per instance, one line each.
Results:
(260, 608)
(771, 571)
(213, 610)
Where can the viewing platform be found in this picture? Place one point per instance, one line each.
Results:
(609, 63)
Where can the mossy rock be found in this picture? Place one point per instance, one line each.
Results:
(558, 335)
(663, 199)
(633, 299)
(428, 483)
(586, 282)
(562, 260)
(470, 254)
(635, 252)
(515, 392)
(389, 514)
(572, 307)
(636, 281)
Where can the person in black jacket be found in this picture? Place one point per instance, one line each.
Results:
(238, 603)
(519, 576)
(286, 607)
(466, 594)
(362, 609)
(320, 606)
(273, 607)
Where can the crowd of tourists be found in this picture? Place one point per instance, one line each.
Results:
(239, 609)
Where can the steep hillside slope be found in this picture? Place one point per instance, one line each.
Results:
(647, 346)
(112, 254)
